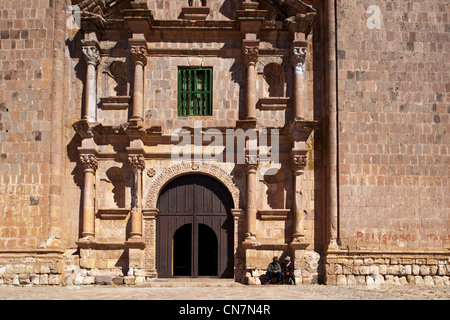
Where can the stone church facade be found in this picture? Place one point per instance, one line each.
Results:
(157, 139)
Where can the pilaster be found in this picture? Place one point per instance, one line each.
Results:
(91, 55)
(139, 20)
(298, 56)
(138, 52)
(298, 163)
(250, 53)
(251, 168)
(250, 21)
(89, 162)
(137, 164)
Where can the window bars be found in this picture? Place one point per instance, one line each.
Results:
(195, 91)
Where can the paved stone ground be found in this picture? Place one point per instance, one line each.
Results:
(234, 292)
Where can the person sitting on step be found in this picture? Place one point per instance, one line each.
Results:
(274, 271)
(287, 268)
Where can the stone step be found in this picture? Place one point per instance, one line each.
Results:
(189, 282)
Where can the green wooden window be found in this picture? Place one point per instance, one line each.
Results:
(195, 91)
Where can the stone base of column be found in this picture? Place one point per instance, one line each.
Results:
(299, 239)
(246, 124)
(136, 122)
(87, 237)
(250, 241)
(333, 245)
(135, 241)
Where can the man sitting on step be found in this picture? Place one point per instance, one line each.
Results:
(274, 271)
(287, 268)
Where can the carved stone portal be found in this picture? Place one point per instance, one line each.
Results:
(176, 170)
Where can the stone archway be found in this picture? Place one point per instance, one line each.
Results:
(159, 181)
(188, 168)
(194, 228)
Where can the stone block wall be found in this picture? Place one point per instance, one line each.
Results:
(26, 64)
(387, 269)
(393, 124)
(31, 269)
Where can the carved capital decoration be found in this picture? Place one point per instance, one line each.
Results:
(298, 56)
(91, 55)
(139, 54)
(298, 162)
(136, 162)
(251, 163)
(89, 162)
(250, 55)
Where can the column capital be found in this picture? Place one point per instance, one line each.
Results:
(298, 163)
(89, 162)
(250, 53)
(298, 56)
(139, 53)
(136, 162)
(251, 163)
(91, 54)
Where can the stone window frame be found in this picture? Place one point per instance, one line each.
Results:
(192, 100)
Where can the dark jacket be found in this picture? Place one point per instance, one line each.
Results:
(272, 267)
(287, 267)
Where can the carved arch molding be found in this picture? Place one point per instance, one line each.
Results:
(190, 168)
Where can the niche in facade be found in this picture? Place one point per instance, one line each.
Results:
(117, 78)
(115, 186)
(115, 86)
(275, 191)
(274, 76)
(273, 87)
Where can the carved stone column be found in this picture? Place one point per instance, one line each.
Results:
(298, 163)
(91, 55)
(251, 167)
(298, 55)
(139, 56)
(250, 52)
(332, 130)
(137, 164)
(149, 216)
(90, 165)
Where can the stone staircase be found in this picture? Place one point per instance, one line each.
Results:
(189, 282)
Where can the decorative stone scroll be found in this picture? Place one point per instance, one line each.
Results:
(186, 168)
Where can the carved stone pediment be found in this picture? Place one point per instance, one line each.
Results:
(299, 130)
(296, 13)
(102, 9)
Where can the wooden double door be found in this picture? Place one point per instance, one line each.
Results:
(194, 228)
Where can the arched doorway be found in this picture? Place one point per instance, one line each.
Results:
(194, 228)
